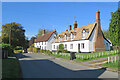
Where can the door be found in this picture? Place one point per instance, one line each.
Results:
(78, 47)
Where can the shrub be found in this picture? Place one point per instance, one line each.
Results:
(35, 50)
(8, 48)
(61, 47)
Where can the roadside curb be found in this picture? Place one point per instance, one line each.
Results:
(21, 75)
(81, 63)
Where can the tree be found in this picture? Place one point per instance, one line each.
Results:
(40, 31)
(14, 32)
(106, 33)
(114, 28)
(61, 47)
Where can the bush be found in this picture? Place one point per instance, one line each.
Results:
(61, 47)
(35, 50)
(6, 47)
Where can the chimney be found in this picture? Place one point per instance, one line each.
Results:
(99, 41)
(66, 30)
(43, 32)
(98, 18)
(70, 27)
(75, 25)
(55, 31)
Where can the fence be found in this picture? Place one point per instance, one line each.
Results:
(90, 55)
(5, 54)
(113, 59)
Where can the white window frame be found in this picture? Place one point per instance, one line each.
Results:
(83, 45)
(71, 46)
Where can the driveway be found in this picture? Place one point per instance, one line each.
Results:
(40, 66)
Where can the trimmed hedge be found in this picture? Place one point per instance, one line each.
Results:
(6, 50)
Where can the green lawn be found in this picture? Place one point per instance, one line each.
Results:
(88, 56)
(112, 65)
(11, 68)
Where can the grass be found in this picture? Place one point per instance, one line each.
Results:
(11, 68)
(112, 65)
(18, 51)
(87, 56)
(60, 56)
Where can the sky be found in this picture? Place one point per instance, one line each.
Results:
(35, 15)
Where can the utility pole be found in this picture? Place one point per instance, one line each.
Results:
(10, 36)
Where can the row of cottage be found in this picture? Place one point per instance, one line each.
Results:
(88, 38)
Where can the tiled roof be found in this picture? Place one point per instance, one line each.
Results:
(77, 32)
(44, 37)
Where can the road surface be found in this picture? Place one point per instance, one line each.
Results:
(40, 66)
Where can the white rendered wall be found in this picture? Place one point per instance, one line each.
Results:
(107, 47)
(75, 45)
(92, 40)
(48, 44)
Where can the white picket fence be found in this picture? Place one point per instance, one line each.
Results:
(90, 56)
(113, 59)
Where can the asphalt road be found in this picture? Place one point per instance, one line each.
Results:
(40, 66)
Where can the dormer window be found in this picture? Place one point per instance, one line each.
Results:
(72, 36)
(59, 39)
(83, 33)
(65, 37)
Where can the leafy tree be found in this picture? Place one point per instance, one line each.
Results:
(61, 47)
(114, 28)
(17, 34)
(106, 33)
(40, 31)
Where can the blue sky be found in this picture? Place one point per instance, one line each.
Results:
(35, 15)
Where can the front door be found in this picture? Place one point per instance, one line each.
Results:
(78, 47)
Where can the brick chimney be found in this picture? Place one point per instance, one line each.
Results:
(55, 31)
(70, 27)
(75, 25)
(66, 30)
(99, 42)
(43, 32)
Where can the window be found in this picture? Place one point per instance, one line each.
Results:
(65, 37)
(65, 46)
(45, 47)
(59, 38)
(107, 44)
(72, 36)
(54, 46)
(71, 46)
(83, 32)
(82, 45)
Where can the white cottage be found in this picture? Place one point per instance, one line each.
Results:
(45, 41)
(88, 38)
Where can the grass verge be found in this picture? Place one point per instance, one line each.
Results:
(114, 65)
(11, 68)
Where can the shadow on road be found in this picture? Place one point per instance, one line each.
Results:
(21, 55)
(48, 69)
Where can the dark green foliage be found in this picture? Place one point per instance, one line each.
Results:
(6, 49)
(61, 47)
(106, 33)
(114, 28)
(40, 31)
(17, 34)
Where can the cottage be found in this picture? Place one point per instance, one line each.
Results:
(88, 38)
(45, 41)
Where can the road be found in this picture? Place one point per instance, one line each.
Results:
(40, 66)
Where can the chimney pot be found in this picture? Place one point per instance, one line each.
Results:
(55, 31)
(43, 32)
(70, 27)
(75, 25)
